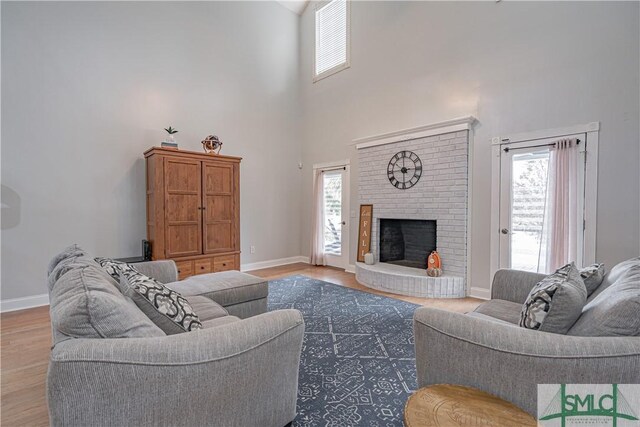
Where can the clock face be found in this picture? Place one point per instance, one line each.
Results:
(404, 170)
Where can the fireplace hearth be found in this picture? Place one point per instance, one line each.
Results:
(407, 242)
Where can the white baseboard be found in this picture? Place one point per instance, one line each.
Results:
(22, 303)
(481, 293)
(274, 263)
(351, 268)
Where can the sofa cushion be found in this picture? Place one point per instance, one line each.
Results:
(613, 275)
(616, 310)
(169, 310)
(68, 252)
(500, 309)
(225, 288)
(212, 323)
(592, 277)
(478, 315)
(70, 258)
(556, 302)
(86, 303)
(205, 308)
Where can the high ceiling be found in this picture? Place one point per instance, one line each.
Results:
(296, 6)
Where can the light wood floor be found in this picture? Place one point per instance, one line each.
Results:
(26, 341)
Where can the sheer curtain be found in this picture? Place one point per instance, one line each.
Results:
(317, 221)
(560, 227)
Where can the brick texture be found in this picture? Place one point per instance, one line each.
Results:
(441, 193)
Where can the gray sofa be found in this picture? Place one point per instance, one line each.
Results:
(232, 372)
(487, 349)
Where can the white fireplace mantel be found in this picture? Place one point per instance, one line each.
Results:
(453, 125)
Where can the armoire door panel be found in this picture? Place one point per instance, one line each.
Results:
(183, 216)
(217, 178)
(182, 207)
(218, 237)
(218, 208)
(219, 203)
(183, 239)
(182, 176)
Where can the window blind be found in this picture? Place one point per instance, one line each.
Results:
(331, 36)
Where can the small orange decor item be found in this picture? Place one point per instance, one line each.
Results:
(434, 265)
(433, 261)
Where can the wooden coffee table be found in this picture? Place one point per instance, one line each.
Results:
(446, 405)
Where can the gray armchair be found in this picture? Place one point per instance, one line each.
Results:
(487, 351)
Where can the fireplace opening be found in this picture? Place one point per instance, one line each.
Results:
(407, 242)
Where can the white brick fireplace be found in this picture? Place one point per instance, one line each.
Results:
(441, 194)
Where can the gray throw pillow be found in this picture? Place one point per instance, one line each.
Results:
(592, 277)
(556, 302)
(616, 310)
(169, 310)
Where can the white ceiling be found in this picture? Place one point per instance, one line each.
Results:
(296, 6)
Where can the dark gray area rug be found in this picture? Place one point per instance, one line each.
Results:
(358, 363)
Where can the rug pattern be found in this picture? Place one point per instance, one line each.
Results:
(358, 363)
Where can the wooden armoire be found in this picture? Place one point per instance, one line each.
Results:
(193, 210)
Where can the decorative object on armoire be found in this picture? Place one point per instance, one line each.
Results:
(212, 143)
(193, 210)
(170, 142)
(171, 131)
(166, 144)
(434, 265)
(404, 170)
(364, 231)
(369, 259)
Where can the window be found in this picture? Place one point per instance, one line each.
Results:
(332, 38)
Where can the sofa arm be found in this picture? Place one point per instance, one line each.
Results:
(514, 285)
(509, 361)
(164, 271)
(239, 374)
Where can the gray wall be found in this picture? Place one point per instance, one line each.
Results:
(516, 66)
(87, 87)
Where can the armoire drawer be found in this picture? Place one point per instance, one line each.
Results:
(224, 263)
(203, 266)
(185, 269)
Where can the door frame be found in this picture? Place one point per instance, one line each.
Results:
(590, 150)
(346, 204)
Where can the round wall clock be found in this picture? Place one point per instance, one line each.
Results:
(404, 169)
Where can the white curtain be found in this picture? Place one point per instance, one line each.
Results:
(560, 228)
(317, 221)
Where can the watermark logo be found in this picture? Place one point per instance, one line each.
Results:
(615, 405)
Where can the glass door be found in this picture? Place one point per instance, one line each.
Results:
(525, 175)
(524, 214)
(335, 217)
